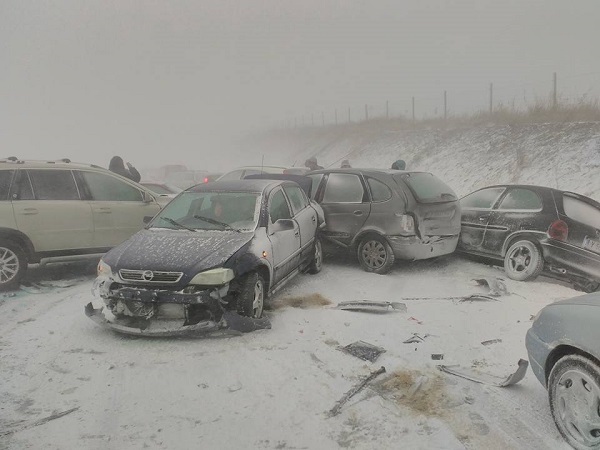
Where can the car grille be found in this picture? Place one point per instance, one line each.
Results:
(150, 276)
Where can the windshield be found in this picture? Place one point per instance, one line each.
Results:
(427, 188)
(238, 211)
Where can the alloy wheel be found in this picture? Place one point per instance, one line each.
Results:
(9, 265)
(374, 254)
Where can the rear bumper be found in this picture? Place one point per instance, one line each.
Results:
(538, 352)
(575, 260)
(411, 248)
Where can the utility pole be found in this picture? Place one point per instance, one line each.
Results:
(336, 116)
(554, 103)
(323, 118)
(349, 115)
(366, 112)
(413, 109)
(387, 109)
(491, 98)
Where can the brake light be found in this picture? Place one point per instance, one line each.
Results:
(558, 230)
(407, 224)
(206, 179)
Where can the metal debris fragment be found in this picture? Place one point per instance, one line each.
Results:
(372, 307)
(437, 356)
(363, 350)
(491, 341)
(492, 380)
(496, 286)
(355, 390)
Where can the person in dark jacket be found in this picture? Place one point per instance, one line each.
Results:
(345, 164)
(399, 165)
(311, 163)
(118, 166)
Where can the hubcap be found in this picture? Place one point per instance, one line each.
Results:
(257, 304)
(578, 407)
(9, 265)
(374, 254)
(520, 259)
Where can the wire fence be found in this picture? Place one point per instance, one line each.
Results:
(573, 91)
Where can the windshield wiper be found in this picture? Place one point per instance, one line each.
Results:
(216, 222)
(177, 224)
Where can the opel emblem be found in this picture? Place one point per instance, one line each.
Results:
(148, 275)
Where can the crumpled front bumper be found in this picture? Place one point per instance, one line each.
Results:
(231, 323)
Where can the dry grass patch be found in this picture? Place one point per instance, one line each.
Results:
(302, 301)
(420, 393)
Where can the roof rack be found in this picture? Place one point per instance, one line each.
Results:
(15, 160)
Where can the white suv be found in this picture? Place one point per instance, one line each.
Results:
(57, 210)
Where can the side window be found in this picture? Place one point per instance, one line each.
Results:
(296, 197)
(521, 199)
(343, 188)
(581, 211)
(53, 185)
(278, 207)
(21, 188)
(316, 180)
(484, 198)
(106, 188)
(379, 191)
(5, 179)
(251, 172)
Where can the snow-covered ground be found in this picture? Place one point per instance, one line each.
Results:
(271, 389)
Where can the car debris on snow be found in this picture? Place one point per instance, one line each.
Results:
(415, 339)
(353, 391)
(496, 286)
(372, 307)
(491, 341)
(35, 423)
(363, 350)
(437, 356)
(492, 380)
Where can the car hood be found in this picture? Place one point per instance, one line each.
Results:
(584, 300)
(176, 250)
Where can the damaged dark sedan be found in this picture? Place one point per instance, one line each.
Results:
(210, 260)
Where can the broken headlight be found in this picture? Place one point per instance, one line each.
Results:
(213, 277)
(104, 269)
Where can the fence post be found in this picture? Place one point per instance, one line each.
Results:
(413, 109)
(445, 107)
(554, 103)
(366, 112)
(387, 109)
(349, 115)
(336, 116)
(491, 98)
(323, 118)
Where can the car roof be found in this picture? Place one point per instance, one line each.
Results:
(358, 170)
(45, 164)
(236, 185)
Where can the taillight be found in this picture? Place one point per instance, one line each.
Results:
(206, 179)
(558, 230)
(407, 224)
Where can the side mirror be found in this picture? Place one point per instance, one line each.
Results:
(148, 219)
(282, 225)
(147, 197)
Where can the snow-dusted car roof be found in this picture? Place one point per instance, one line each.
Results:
(237, 185)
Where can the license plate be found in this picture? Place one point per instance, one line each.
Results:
(591, 244)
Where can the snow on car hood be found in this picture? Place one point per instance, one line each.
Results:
(176, 250)
(584, 300)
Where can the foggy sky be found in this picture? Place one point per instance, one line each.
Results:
(173, 82)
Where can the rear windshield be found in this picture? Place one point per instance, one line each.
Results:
(5, 177)
(581, 211)
(427, 188)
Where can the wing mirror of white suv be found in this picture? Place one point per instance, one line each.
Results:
(147, 197)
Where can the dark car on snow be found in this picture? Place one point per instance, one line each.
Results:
(533, 227)
(387, 214)
(217, 248)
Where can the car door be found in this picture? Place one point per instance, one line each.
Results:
(305, 217)
(118, 207)
(346, 205)
(476, 210)
(49, 209)
(518, 209)
(285, 241)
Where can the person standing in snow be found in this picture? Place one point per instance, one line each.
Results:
(399, 165)
(345, 164)
(118, 166)
(311, 163)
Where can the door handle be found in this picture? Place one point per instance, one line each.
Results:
(104, 211)
(358, 212)
(484, 218)
(29, 211)
(297, 233)
(314, 219)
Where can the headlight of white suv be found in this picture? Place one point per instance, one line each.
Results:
(213, 277)
(104, 269)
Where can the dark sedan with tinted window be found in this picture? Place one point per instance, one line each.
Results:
(533, 227)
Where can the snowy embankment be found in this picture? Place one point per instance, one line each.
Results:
(566, 156)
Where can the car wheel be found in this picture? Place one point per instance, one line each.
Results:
(375, 255)
(13, 264)
(316, 263)
(251, 296)
(523, 261)
(574, 394)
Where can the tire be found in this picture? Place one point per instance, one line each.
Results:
(316, 263)
(251, 296)
(523, 261)
(375, 255)
(13, 264)
(574, 395)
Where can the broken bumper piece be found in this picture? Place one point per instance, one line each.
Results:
(230, 323)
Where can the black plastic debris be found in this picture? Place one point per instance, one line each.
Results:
(496, 286)
(491, 341)
(372, 307)
(492, 380)
(437, 356)
(353, 391)
(415, 339)
(363, 350)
